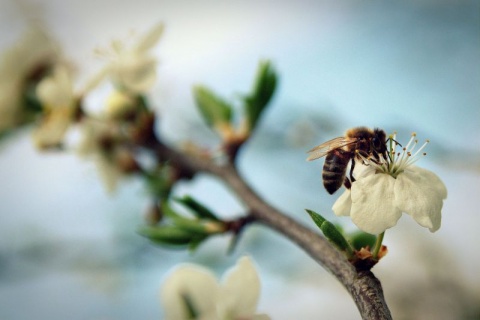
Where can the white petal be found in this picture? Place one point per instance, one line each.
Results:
(361, 171)
(260, 317)
(420, 193)
(118, 104)
(56, 90)
(433, 180)
(135, 73)
(207, 316)
(197, 284)
(95, 80)
(240, 291)
(51, 131)
(10, 107)
(109, 173)
(151, 38)
(343, 205)
(373, 208)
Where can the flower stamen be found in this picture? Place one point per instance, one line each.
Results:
(375, 201)
(396, 162)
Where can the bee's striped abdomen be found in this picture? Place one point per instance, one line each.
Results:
(334, 169)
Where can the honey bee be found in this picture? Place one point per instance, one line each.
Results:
(341, 150)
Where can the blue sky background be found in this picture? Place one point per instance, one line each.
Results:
(69, 250)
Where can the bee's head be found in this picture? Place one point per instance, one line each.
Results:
(379, 141)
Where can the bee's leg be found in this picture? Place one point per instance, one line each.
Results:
(351, 171)
(347, 183)
(386, 141)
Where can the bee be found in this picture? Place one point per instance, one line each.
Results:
(342, 150)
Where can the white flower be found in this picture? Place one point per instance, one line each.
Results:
(386, 188)
(99, 143)
(34, 53)
(118, 105)
(55, 92)
(193, 289)
(132, 69)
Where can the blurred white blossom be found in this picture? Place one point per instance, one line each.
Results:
(118, 105)
(386, 188)
(132, 68)
(102, 142)
(56, 91)
(23, 62)
(191, 289)
(56, 94)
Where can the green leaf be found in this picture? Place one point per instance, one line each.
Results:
(318, 219)
(362, 239)
(181, 231)
(331, 232)
(195, 243)
(213, 108)
(262, 92)
(168, 211)
(193, 226)
(159, 182)
(197, 208)
(169, 235)
(30, 100)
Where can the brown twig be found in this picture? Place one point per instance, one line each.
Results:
(363, 286)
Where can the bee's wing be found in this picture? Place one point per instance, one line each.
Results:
(322, 150)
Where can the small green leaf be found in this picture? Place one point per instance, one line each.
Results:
(168, 211)
(30, 100)
(262, 92)
(169, 235)
(141, 101)
(197, 208)
(195, 243)
(194, 226)
(318, 219)
(331, 232)
(362, 239)
(159, 182)
(213, 108)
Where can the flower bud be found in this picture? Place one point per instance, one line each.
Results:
(119, 105)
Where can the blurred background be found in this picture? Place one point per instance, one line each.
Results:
(69, 249)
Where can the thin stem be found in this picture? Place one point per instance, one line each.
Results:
(378, 245)
(363, 286)
(392, 150)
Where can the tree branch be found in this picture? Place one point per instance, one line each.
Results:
(363, 286)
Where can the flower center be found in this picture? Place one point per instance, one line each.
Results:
(397, 161)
